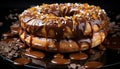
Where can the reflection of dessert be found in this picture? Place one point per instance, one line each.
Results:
(63, 27)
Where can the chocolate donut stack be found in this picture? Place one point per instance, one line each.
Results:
(67, 27)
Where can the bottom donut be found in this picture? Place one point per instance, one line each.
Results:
(64, 45)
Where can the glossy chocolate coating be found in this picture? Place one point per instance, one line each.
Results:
(63, 20)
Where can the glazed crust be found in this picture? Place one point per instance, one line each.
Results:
(63, 20)
(63, 46)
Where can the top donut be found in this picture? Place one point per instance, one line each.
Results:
(67, 20)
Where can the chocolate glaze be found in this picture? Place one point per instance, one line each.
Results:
(74, 18)
(31, 36)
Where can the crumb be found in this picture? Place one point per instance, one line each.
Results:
(10, 49)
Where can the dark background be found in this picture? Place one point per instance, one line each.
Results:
(106, 4)
(111, 7)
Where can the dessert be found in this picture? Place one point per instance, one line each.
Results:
(64, 27)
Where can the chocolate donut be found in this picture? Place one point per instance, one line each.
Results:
(63, 20)
(67, 27)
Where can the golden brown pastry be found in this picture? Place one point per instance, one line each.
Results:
(63, 45)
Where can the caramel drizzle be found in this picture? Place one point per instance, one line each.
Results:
(31, 39)
(91, 35)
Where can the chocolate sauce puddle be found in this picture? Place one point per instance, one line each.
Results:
(59, 59)
(21, 61)
(35, 54)
(78, 56)
(93, 65)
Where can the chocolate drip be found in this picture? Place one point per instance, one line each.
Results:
(31, 39)
(80, 27)
(91, 35)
